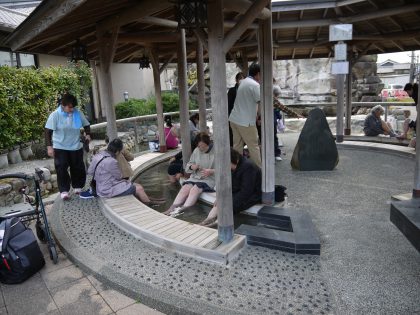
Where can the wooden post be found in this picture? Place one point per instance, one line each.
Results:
(416, 189)
(183, 98)
(265, 52)
(244, 68)
(340, 107)
(347, 130)
(154, 58)
(106, 46)
(220, 120)
(201, 86)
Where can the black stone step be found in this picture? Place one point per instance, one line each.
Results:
(286, 229)
(406, 216)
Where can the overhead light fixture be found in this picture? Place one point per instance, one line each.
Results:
(144, 62)
(79, 52)
(191, 14)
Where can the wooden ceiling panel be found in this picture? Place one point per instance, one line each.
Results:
(303, 33)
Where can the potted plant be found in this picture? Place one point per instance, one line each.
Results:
(3, 158)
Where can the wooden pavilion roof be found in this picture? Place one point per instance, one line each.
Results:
(300, 28)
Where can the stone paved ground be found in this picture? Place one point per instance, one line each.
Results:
(65, 289)
(366, 265)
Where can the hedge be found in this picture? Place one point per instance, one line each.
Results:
(28, 96)
(140, 107)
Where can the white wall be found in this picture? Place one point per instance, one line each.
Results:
(50, 60)
(128, 77)
(395, 79)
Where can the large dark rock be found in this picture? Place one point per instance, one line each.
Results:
(316, 149)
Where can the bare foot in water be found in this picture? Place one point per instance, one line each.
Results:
(209, 222)
(171, 208)
(157, 199)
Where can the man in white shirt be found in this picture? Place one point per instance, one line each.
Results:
(244, 115)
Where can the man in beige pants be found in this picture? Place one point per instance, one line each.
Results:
(244, 115)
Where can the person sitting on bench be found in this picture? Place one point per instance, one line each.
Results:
(246, 186)
(201, 168)
(107, 174)
(375, 126)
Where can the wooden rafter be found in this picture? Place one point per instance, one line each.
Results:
(234, 34)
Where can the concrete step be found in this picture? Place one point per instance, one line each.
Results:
(286, 229)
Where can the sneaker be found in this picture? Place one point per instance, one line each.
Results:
(77, 191)
(278, 158)
(64, 195)
(86, 195)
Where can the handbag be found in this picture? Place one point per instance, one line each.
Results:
(279, 193)
(93, 181)
(21, 256)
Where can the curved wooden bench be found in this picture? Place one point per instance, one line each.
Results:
(200, 242)
(377, 139)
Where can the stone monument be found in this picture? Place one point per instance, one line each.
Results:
(316, 149)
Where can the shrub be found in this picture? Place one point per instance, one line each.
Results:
(28, 96)
(133, 107)
(140, 107)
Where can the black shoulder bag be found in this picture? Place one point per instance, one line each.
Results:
(93, 182)
(21, 256)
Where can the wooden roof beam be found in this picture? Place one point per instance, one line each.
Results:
(158, 21)
(242, 6)
(81, 35)
(202, 36)
(134, 13)
(350, 19)
(378, 48)
(235, 33)
(279, 7)
(398, 45)
(165, 64)
(161, 37)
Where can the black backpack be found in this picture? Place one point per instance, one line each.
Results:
(21, 256)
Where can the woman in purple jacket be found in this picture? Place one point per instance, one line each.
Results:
(109, 183)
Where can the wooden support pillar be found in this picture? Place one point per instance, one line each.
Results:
(201, 86)
(416, 188)
(244, 67)
(154, 58)
(347, 130)
(265, 52)
(220, 120)
(340, 107)
(183, 98)
(106, 44)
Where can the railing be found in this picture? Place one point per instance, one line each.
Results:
(354, 104)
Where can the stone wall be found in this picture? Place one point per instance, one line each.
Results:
(9, 187)
(366, 83)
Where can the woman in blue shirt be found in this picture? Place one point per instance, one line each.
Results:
(62, 137)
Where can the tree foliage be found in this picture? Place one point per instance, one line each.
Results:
(28, 96)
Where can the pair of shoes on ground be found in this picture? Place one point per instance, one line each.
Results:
(278, 158)
(66, 196)
(86, 194)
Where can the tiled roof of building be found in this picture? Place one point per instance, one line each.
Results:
(11, 18)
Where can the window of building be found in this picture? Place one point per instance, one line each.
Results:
(27, 60)
(8, 58)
